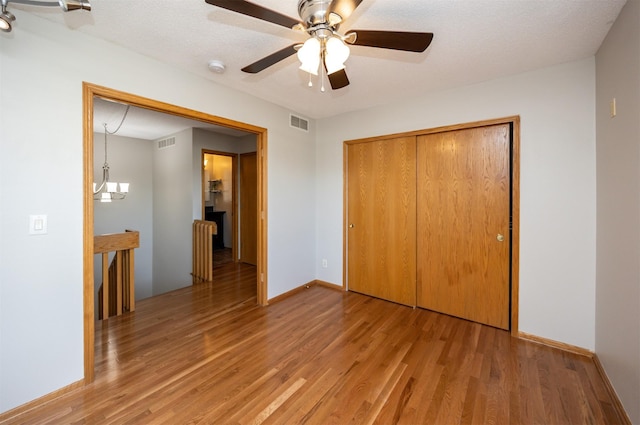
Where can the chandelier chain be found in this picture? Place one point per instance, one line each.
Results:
(106, 131)
(121, 122)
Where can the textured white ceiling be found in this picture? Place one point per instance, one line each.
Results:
(475, 40)
(146, 124)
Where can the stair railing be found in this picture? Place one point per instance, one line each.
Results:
(117, 292)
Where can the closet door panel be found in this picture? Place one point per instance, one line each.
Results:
(463, 220)
(381, 219)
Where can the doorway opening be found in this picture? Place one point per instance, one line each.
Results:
(91, 92)
(219, 202)
(229, 198)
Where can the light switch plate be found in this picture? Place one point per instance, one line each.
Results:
(38, 224)
(612, 107)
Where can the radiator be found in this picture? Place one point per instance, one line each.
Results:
(203, 232)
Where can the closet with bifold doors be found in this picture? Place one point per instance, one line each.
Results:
(431, 219)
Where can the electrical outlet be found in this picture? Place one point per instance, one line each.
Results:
(324, 263)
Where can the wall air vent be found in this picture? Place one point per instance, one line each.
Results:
(166, 143)
(298, 122)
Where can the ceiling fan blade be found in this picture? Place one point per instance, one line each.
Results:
(250, 9)
(338, 79)
(343, 8)
(272, 59)
(396, 40)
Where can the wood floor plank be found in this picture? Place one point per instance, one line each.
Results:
(207, 354)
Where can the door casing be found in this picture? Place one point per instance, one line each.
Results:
(89, 91)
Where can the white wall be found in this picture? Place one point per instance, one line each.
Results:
(130, 160)
(618, 211)
(557, 187)
(291, 192)
(42, 70)
(172, 213)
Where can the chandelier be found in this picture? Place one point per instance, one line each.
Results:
(108, 190)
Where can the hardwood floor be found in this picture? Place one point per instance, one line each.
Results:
(208, 355)
(221, 257)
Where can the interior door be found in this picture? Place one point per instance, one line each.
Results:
(248, 208)
(381, 233)
(464, 223)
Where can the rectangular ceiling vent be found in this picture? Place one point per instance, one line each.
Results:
(166, 143)
(298, 122)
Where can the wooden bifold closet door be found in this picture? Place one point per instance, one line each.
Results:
(428, 221)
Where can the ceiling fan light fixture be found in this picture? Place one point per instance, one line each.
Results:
(309, 56)
(321, 19)
(334, 19)
(336, 54)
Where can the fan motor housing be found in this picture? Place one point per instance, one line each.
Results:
(313, 12)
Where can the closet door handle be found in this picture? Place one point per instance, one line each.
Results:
(500, 237)
(351, 226)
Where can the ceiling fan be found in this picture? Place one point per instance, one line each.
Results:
(326, 49)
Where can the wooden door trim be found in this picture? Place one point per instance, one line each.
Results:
(234, 191)
(89, 91)
(442, 129)
(514, 120)
(345, 213)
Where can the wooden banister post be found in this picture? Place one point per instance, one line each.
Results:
(132, 288)
(118, 283)
(119, 278)
(105, 285)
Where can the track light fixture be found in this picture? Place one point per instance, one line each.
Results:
(6, 17)
(70, 5)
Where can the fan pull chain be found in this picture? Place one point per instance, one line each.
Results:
(322, 66)
(310, 81)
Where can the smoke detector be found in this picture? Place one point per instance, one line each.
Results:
(217, 66)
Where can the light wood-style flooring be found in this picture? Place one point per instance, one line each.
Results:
(208, 355)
